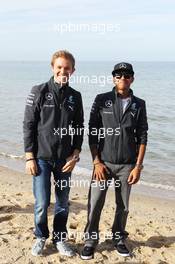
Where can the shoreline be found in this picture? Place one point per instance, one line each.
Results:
(146, 188)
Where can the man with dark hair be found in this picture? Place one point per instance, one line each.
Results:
(117, 154)
(52, 110)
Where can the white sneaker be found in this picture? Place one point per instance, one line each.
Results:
(37, 248)
(64, 249)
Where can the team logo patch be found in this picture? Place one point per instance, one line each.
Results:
(71, 107)
(70, 100)
(108, 103)
(49, 96)
(133, 109)
(122, 66)
(133, 106)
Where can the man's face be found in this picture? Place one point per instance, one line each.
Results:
(123, 80)
(62, 70)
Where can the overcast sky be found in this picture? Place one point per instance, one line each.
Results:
(91, 30)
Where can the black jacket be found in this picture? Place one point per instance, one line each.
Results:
(48, 110)
(129, 129)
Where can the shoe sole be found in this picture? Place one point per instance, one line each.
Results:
(62, 254)
(124, 254)
(87, 257)
(36, 255)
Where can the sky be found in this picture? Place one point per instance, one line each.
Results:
(91, 30)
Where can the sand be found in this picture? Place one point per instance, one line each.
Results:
(151, 225)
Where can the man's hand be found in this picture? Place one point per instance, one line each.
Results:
(99, 171)
(31, 167)
(134, 176)
(70, 164)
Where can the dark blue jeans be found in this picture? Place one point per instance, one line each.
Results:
(42, 193)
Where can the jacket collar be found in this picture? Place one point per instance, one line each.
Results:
(56, 86)
(117, 94)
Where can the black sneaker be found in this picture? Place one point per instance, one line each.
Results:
(87, 253)
(122, 249)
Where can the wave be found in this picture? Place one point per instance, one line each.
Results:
(11, 156)
(157, 185)
(84, 172)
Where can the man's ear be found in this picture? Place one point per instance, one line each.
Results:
(132, 80)
(114, 80)
(72, 72)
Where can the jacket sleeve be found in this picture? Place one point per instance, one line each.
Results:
(78, 125)
(142, 126)
(95, 123)
(31, 117)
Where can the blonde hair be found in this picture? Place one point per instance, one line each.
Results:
(63, 54)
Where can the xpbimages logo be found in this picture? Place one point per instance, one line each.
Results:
(102, 236)
(101, 132)
(97, 28)
(86, 183)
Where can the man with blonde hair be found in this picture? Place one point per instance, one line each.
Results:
(52, 110)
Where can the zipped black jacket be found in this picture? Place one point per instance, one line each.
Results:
(117, 135)
(48, 112)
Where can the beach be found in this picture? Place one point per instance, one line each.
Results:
(104, 69)
(150, 225)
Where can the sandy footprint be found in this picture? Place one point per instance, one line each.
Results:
(6, 218)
